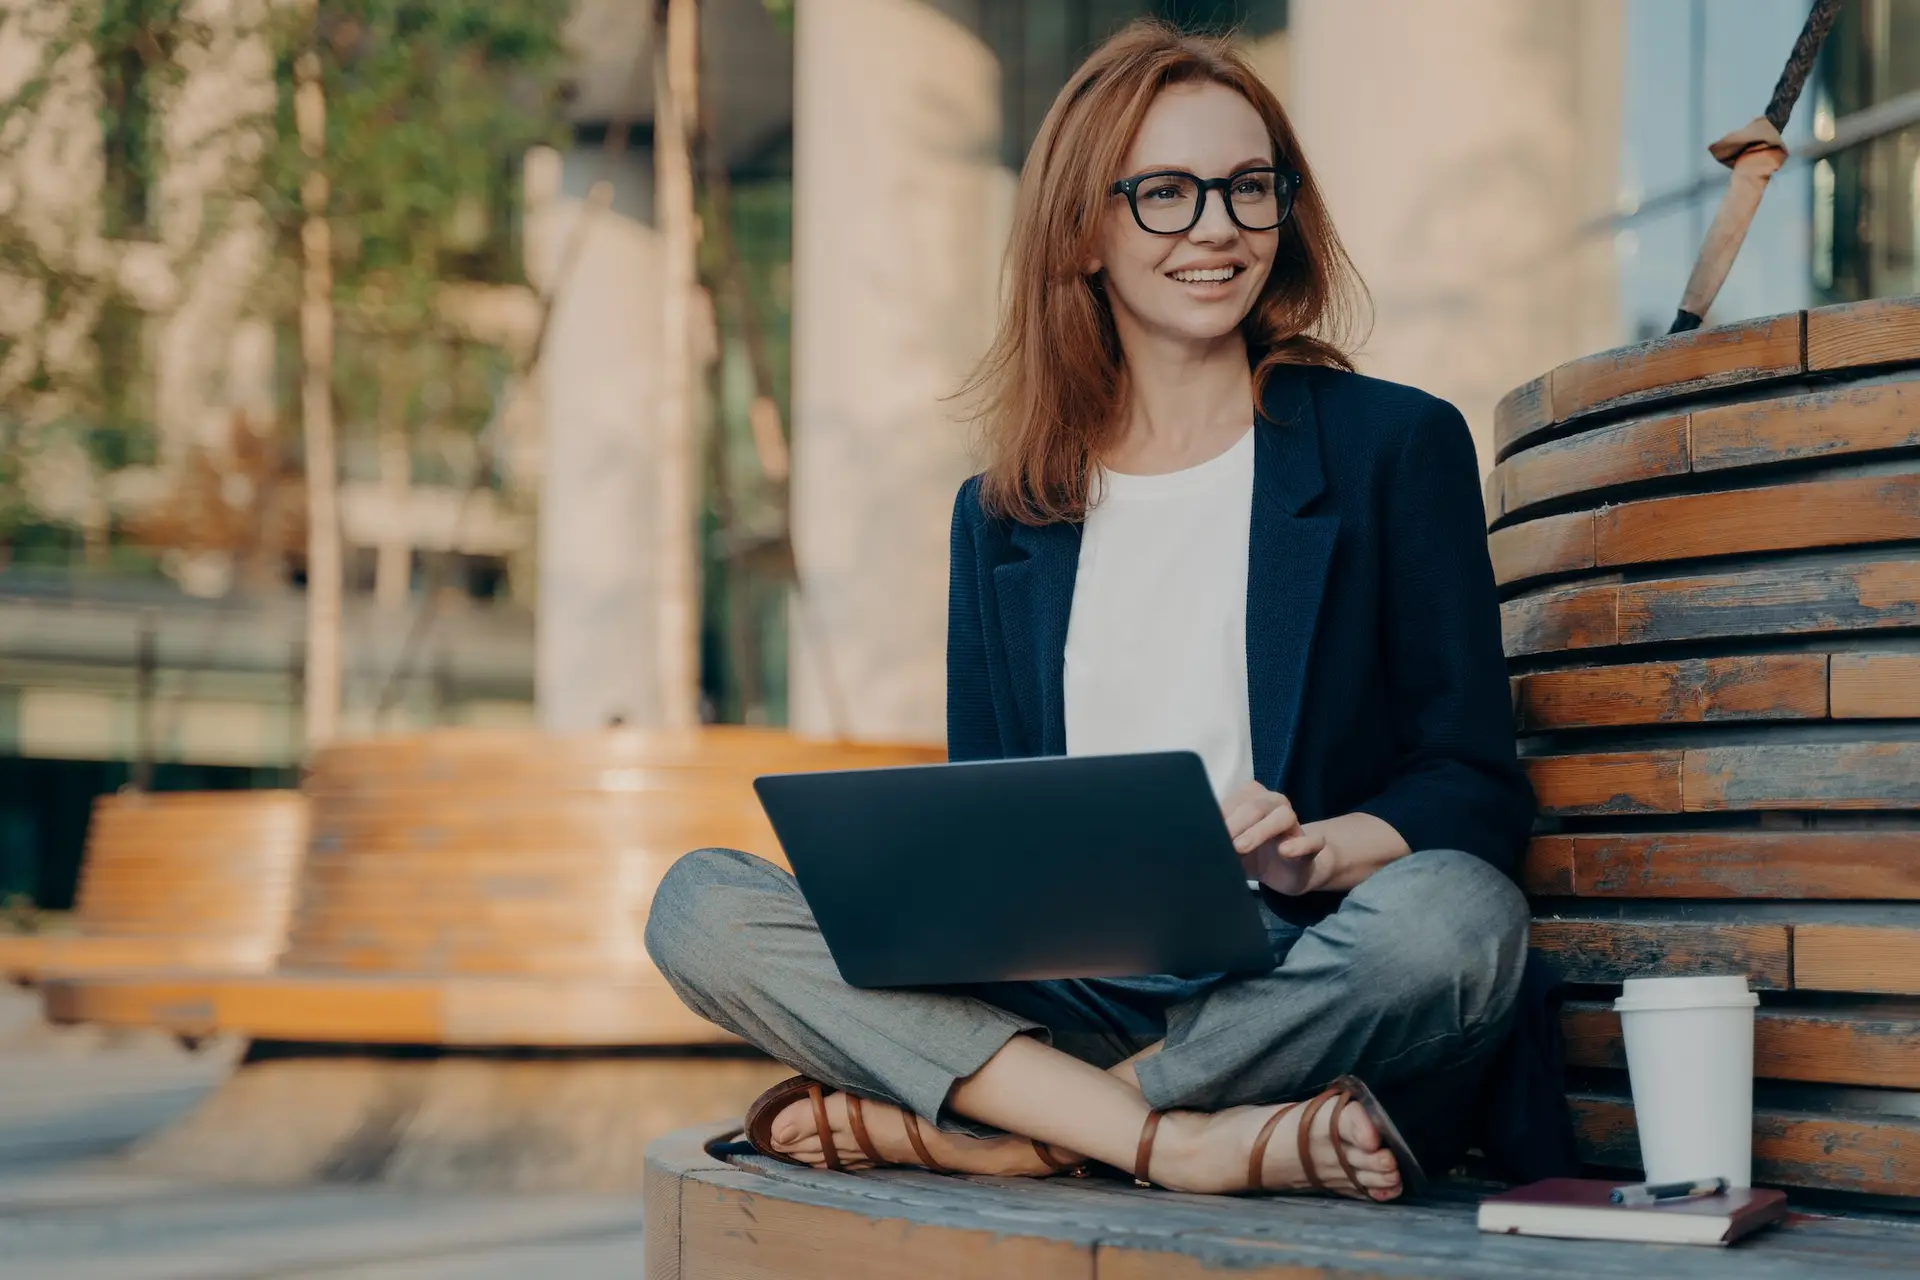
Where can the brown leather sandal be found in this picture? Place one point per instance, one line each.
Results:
(1345, 1090)
(764, 1109)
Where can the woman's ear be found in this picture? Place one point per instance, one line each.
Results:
(1093, 268)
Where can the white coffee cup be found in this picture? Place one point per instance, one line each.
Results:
(1690, 1059)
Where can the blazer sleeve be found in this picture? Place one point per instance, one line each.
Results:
(1457, 784)
(972, 731)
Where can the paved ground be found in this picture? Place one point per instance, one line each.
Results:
(71, 1100)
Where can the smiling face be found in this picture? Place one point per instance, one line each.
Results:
(1196, 287)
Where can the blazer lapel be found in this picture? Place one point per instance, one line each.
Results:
(1036, 598)
(1288, 556)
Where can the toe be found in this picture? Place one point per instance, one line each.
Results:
(1357, 1127)
(1381, 1161)
(793, 1125)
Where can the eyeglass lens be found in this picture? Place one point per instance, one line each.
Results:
(1169, 202)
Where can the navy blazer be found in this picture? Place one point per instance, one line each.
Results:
(1375, 676)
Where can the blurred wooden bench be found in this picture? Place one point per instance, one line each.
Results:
(194, 880)
(469, 888)
(1709, 549)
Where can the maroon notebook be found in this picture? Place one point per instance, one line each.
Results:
(1578, 1209)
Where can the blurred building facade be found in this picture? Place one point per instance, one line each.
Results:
(1519, 181)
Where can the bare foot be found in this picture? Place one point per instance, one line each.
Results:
(796, 1134)
(1196, 1151)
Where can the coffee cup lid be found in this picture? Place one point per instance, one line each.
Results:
(1640, 995)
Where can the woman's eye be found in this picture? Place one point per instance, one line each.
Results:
(1255, 188)
(1165, 191)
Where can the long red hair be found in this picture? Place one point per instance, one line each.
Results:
(1050, 390)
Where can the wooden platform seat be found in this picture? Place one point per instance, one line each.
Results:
(709, 1217)
(1708, 548)
(199, 879)
(486, 889)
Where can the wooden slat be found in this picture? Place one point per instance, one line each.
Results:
(1852, 511)
(1490, 497)
(1695, 691)
(549, 1012)
(1678, 364)
(1607, 782)
(1594, 461)
(1853, 957)
(1822, 424)
(1882, 331)
(1873, 686)
(1581, 617)
(1521, 412)
(1785, 599)
(1803, 775)
(660, 1221)
(1869, 1155)
(1762, 776)
(1874, 1043)
(1548, 868)
(36, 957)
(1602, 949)
(1557, 544)
(1872, 864)
(734, 1232)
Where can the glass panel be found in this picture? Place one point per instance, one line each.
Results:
(1874, 200)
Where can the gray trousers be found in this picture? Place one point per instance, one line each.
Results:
(1409, 984)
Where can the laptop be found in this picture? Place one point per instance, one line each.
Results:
(1018, 870)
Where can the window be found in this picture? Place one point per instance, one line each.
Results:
(1866, 212)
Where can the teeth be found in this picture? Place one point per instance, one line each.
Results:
(1198, 277)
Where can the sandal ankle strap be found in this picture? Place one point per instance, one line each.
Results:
(1143, 1155)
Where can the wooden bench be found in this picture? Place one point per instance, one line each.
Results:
(464, 999)
(486, 889)
(197, 880)
(709, 1217)
(1709, 551)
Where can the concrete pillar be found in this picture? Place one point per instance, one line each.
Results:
(1466, 149)
(900, 209)
(594, 650)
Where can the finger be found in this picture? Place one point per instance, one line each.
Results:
(1241, 817)
(1277, 825)
(1247, 804)
(1304, 845)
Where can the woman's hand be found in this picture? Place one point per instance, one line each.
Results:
(1273, 845)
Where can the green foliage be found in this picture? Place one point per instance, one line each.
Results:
(133, 43)
(430, 106)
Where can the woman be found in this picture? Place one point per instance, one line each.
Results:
(1197, 529)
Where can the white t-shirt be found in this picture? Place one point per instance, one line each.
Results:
(1156, 654)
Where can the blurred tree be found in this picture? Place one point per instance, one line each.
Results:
(394, 172)
(429, 106)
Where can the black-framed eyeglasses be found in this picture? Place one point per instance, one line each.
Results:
(1169, 202)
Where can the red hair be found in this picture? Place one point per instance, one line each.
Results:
(1051, 387)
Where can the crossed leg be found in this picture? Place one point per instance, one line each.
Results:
(1415, 972)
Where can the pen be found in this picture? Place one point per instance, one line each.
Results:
(1654, 1192)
